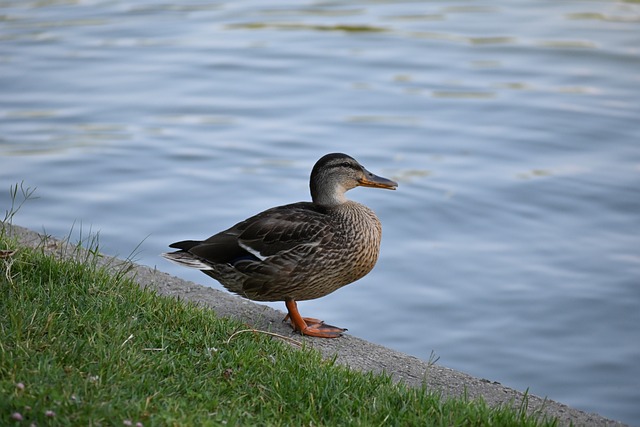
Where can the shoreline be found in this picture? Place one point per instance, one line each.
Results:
(348, 350)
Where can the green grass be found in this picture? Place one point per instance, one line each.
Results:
(93, 348)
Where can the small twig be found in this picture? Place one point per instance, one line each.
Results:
(282, 337)
(7, 257)
(127, 340)
(154, 349)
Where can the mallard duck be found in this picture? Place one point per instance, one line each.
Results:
(299, 251)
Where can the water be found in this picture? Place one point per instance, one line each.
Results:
(511, 247)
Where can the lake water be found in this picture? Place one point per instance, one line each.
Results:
(511, 249)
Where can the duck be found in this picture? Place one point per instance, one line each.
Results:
(299, 251)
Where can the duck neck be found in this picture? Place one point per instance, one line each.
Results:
(329, 195)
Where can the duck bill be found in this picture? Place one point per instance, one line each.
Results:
(371, 180)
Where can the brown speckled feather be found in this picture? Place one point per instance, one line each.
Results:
(268, 257)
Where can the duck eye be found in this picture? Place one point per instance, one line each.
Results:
(346, 165)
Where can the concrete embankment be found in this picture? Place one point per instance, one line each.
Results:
(348, 350)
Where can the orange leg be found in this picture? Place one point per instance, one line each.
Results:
(310, 326)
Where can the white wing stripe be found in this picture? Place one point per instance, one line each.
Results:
(252, 251)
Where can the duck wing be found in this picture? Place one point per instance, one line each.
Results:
(282, 235)
(279, 230)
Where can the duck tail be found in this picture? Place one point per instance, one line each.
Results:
(186, 259)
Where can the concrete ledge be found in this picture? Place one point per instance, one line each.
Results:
(348, 350)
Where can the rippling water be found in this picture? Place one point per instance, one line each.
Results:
(511, 248)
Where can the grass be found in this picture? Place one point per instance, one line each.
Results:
(84, 345)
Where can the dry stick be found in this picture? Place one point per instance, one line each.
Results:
(282, 337)
(7, 257)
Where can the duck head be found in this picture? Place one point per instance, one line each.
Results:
(335, 174)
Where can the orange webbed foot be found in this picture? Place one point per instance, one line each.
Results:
(308, 325)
